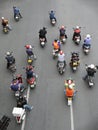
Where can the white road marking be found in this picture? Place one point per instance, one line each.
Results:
(23, 123)
(71, 115)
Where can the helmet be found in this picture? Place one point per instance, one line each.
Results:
(2, 18)
(88, 36)
(77, 27)
(92, 66)
(61, 52)
(29, 67)
(70, 86)
(44, 28)
(55, 40)
(62, 27)
(8, 53)
(51, 11)
(27, 46)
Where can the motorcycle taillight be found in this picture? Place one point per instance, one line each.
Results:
(18, 118)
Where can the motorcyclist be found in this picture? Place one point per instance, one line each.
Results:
(56, 45)
(61, 58)
(29, 72)
(42, 33)
(29, 50)
(91, 70)
(52, 15)
(69, 90)
(77, 32)
(16, 12)
(87, 41)
(10, 59)
(22, 103)
(75, 57)
(16, 85)
(62, 31)
(5, 23)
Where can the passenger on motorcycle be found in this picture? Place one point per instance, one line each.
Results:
(22, 103)
(29, 50)
(52, 15)
(62, 31)
(75, 57)
(42, 33)
(16, 11)
(57, 45)
(61, 58)
(5, 23)
(29, 72)
(16, 85)
(10, 59)
(91, 70)
(77, 32)
(87, 41)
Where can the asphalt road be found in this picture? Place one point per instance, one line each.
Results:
(50, 110)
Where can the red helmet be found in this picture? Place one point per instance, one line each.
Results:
(29, 67)
(27, 46)
(61, 52)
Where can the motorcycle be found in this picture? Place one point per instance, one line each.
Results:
(53, 21)
(74, 65)
(86, 49)
(66, 84)
(17, 18)
(5, 29)
(55, 53)
(42, 42)
(32, 80)
(77, 40)
(90, 81)
(19, 114)
(61, 67)
(12, 67)
(19, 92)
(30, 59)
(63, 39)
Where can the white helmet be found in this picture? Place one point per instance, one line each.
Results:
(2, 18)
(70, 86)
(7, 53)
(92, 66)
(88, 36)
(77, 27)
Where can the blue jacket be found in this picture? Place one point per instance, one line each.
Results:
(16, 11)
(29, 52)
(14, 87)
(87, 41)
(52, 15)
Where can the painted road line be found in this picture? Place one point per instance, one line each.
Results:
(24, 121)
(71, 115)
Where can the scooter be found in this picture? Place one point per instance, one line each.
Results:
(12, 67)
(5, 29)
(77, 40)
(55, 53)
(42, 42)
(86, 49)
(90, 81)
(74, 65)
(61, 67)
(19, 114)
(53, 21)
(17, 18)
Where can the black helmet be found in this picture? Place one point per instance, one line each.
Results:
(51, 11)
(44, 28)
(55, 40)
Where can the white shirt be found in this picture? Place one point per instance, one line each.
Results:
(61, 57)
